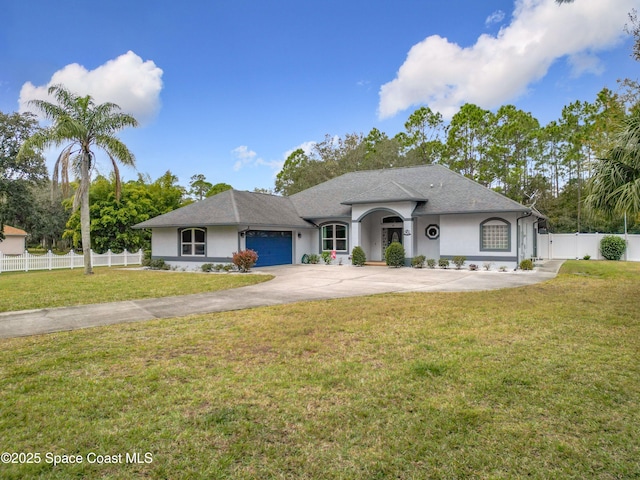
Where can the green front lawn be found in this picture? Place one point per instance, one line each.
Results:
(64, 288)
(535, 382)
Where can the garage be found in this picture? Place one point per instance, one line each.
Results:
(272, 247)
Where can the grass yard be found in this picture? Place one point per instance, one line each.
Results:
(535, 382)
(62, 288)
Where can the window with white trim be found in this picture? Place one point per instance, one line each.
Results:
(334, 237)
(193, 242)
(495, 235)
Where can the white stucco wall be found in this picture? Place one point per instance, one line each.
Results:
(403, 209)
(164, 242)
(460, 235)
(223, 241)
(307, 243)
(527, 237)
(430, 248)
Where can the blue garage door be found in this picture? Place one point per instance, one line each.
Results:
(273, 248)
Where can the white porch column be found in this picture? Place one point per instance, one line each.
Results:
(355, 237)
(409, 240)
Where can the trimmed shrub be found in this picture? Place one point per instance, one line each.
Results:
(612, 247)
(443, 263)
(418, 261)
(526, 264)
(586, 257)
(244, 259)
(394, 254)
(431, 262)
(358, 257)
(326, 257)
(458, 261)
(207, 267)
(313, 258)
(146, 260)
(158, 264)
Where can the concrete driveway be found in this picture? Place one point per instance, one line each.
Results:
(292, 283)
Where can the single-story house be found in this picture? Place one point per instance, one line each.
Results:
(430, 209)
(14, 241)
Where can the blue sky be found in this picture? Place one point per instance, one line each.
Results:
(229, 88)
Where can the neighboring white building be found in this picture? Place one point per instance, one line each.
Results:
(14, 242)
(430, 209)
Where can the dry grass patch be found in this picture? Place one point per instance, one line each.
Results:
(540, 382)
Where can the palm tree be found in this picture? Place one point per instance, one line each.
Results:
(615, 186)
(81, 125)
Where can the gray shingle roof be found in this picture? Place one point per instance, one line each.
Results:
(387, 192)
(445, 192)
(232, 207)
(437, 190)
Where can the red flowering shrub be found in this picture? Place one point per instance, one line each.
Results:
(245, 259)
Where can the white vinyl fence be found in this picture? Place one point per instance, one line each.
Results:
(51, 261)
(577, 245)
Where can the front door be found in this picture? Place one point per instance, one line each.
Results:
(390, 235)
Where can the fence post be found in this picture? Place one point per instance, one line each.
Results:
(124, 253)
(90, 257)
(1, 261)
(26, 261)
(71, 257)
(109, 258)
(50, 257)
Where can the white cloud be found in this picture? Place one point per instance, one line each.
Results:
(275, 165)
(307, 148)
(128, 81)
(495, 17)
(243, 155)
(498, 69)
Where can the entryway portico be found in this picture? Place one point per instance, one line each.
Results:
(374, 227)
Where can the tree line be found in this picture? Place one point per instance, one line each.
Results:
(507, 150)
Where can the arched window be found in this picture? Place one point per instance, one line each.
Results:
(495, 235)
(193, 242)
(334, 237)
